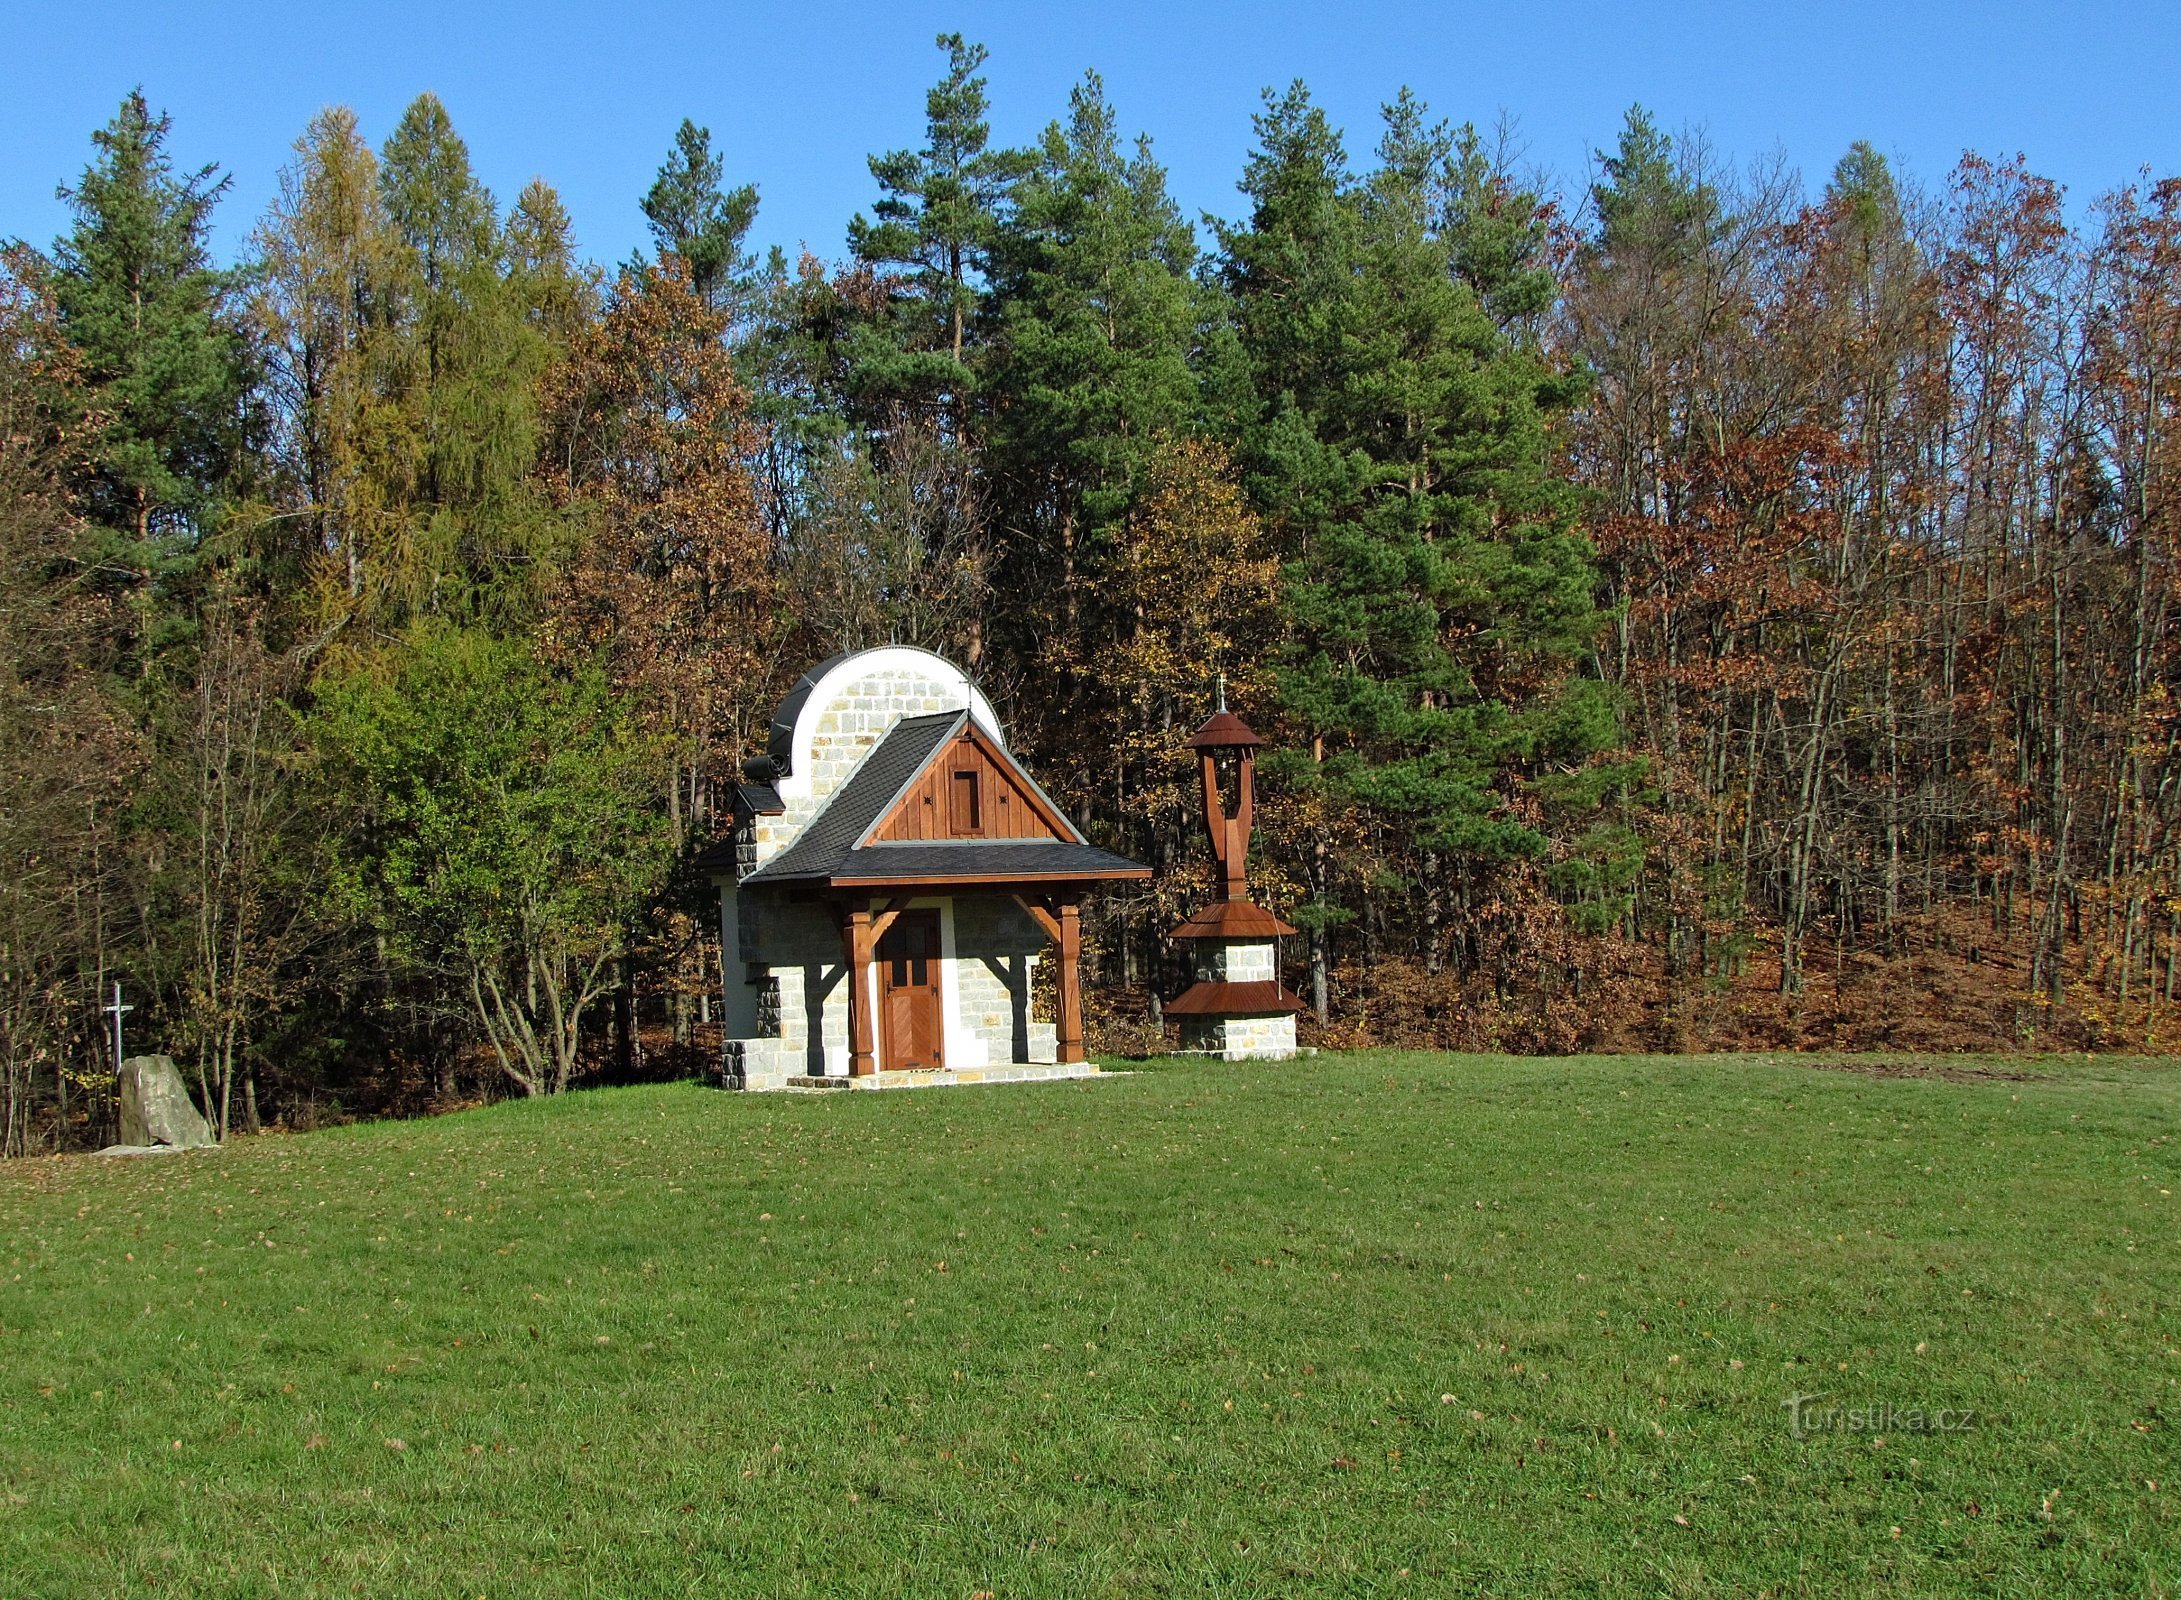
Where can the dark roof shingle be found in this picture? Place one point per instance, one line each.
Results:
(986, 859)
(830, 848)
(878, 781)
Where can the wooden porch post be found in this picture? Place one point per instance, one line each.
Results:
(1062, 922)
(1071, 983)
(857, 939)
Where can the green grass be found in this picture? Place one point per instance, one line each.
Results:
(1367, 1325)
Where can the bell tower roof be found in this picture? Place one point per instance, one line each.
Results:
(1223, 730)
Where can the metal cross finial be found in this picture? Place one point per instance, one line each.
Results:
(117, 1010)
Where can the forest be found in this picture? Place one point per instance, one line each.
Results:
(1686, 608)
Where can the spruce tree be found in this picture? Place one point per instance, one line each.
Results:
(164, 362)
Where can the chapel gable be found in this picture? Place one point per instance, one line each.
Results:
(971, 790)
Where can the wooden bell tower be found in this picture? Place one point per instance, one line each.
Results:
(1237, 1008)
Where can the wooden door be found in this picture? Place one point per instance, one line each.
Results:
(909, 1005)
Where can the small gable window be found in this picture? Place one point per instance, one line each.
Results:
(966, 808)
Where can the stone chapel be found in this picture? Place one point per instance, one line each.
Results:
(893, 878)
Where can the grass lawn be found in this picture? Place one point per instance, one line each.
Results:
(1366, 1325)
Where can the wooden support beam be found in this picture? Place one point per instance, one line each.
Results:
(1062, 921)
(885, 919)
(1230, 835)
(1040, 914)
(1071, 983)
(1215, 811)
(857, 942)
(1236, 863)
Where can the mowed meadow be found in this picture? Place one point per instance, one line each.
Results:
(1363, 1325)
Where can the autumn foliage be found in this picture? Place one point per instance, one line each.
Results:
(1686, 608)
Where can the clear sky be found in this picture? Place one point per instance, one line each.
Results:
(796, 95)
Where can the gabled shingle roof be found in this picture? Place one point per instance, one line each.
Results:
(831, 847)
(870, 791)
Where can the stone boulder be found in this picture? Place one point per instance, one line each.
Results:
(156, 1108)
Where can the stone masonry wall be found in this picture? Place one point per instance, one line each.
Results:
(1235, 960)
(803, 1000)
(1240, 1038)
(997, 948)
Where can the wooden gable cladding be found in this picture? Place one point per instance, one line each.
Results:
(970, 790)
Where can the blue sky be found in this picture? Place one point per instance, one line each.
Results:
(797, 94)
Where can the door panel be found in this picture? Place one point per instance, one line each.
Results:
(909, 1004)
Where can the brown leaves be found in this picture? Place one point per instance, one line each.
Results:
(671, 579)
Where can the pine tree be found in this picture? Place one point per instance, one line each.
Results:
(164, 361)
(1647, 205)
(692, 214)
(1092, 317)
(1437, 589)
(1287, 272)
(929, 236)
(1499, 229)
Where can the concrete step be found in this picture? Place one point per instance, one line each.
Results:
(943, 1077)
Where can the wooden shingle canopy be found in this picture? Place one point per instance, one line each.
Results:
(1247, 999)
(939, 803)
(1223, 730)
(1232, 919)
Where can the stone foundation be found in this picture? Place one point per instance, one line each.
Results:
(1020, 1072)
(1240, 1038)
(1268, 1038)
(757, 1064)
